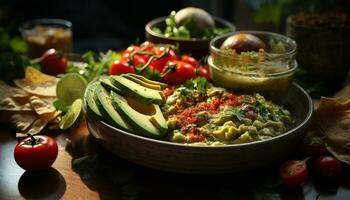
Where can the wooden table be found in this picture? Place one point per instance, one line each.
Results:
(61, 182)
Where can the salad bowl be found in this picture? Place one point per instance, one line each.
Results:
(197, 47)
(185, 158)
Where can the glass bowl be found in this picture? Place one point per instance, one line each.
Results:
(269, 72)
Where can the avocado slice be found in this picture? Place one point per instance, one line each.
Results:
(145, 84)
(106, 82)
(130, 88)
(144, 79)
(146, 119)
(106, 107)
(90, 99)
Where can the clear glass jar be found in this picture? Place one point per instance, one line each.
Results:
(269, 72)
(43, 34)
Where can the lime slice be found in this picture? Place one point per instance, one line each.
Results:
(73, 115)
(70, 87)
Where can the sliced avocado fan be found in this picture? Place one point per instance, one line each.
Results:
(142, 78)
(147, 119)
(106, 82)
(107, 109)
(132, 89)
(90, 98)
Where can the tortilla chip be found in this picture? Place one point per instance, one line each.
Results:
(333, 116)
(15, 104)
(41, 106)
(56, 120)
(34, 129)
(22, 121)
(34, 76)
(37, 83)
(9, 91)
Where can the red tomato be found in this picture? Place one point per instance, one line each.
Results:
(190, 60)
(36, 152)
(139, 60)
(159, 64)
(293, 172)
(120, 67)
(176, 72)
(204, 72)
(53, 62)
(328, 166)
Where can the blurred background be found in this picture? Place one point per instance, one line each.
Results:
(323, 37)
(107, 24)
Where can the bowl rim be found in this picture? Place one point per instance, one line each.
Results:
(289, 53)
(45, 21)
(293, 68)
(151, 23)
(226, 146)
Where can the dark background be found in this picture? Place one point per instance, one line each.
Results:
(100, 25)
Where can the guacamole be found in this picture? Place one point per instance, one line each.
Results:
(199, 113)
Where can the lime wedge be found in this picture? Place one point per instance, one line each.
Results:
(73, 115)
(70, 87)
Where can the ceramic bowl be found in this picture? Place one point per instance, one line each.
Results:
(196, 47)
(174, 157)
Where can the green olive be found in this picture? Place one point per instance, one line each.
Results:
(195, 19)
(243, 42)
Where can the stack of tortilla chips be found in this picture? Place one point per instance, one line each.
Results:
(28, 107)
(333, 116)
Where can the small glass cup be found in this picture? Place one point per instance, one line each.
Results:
(43, 34)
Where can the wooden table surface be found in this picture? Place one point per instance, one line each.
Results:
(61, 182)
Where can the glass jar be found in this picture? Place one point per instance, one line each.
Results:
(43, 34)
(269, 71)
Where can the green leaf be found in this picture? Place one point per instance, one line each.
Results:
(89, 57)
(238, 113)
(4, 39)
(199, 84)
(262, 110)
(60, 105)
(18, 45)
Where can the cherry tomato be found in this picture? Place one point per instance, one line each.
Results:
(328, 166)
(159, 64)
(36, 152)
(293, 172)
(176, 72)
(204, 72)
(53, 62)
(190, 60)
(120, 67)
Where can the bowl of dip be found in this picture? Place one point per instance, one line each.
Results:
(268, 70)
